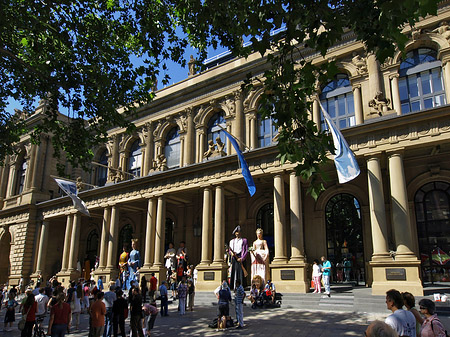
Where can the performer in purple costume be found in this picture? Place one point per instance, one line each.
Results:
(239, 246)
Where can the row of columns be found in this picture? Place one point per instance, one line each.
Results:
(401, 223)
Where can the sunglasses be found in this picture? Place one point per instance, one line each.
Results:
(423, 308)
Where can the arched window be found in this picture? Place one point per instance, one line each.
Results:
(5, 248)
(92, 247)
(432, 205)
(102, 171)
(125, 236)
(264, 220)
(344, 238)
(135, 160)
(21, 173)
(337, 99)
(169, 233)
(215, 129)
(172, 148)
(266, 131)
(420, 83)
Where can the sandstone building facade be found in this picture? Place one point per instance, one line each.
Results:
(392, 222)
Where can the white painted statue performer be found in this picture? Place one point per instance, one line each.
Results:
(260, 257)
(134, 262)
(238, 250)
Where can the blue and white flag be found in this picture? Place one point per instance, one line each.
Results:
(244, 167)
(70, 188)
(344, 159)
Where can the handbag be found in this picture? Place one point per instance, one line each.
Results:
(23, 320)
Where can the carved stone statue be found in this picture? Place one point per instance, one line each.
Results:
(379, 103)
(160, 164)
(360, 63)
(191, 65)
(220, 147)
(79, 184)
(211, 149)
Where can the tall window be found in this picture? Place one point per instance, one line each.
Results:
(420, 83)
(102, 171)
(172, 148)
(125, 236)
(345, 247)
(266, 131)
(92, 247)
(264, 220)
(432, 205)
(337, 99)
(21, 173)
(135, 161)
(215, 129)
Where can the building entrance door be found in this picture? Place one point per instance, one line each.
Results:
(345, 247)
(5, 247)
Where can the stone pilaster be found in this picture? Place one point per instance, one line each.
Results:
(160, 231)
(104, 237)
(357, 97)
(279, 220)
(396, 94)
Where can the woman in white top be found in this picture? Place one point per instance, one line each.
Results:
(260, 257)
(316, 277)
(75, 306)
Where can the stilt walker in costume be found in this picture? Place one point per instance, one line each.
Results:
(238, 250)
(134, 261)
(123, 267)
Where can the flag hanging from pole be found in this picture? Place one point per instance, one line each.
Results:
(70, 188)
(244, 167)
(346, 165)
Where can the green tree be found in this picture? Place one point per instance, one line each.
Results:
(80, 54)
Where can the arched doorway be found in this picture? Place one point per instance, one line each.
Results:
(5, 247)
(91, 251)
(432, 205)
(169, 234)
(345, 248)
(125, 236)
(264, 220)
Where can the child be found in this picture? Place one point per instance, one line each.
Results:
(316, 277)
(10, 315)
(254, 293)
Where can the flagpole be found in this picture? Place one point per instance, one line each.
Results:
(74, 181)
(240, 143)
(115, 169)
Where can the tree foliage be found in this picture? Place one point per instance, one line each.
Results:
(81, 54)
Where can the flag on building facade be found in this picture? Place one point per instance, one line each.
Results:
(70, 188)
(346, 165)
(439, 256)
(244, 167)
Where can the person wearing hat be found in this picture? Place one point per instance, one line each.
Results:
(238, 250)
(431, 326)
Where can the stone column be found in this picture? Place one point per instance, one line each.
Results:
(373, 67)
(359, 116)
(239, 119)
(201, 145)
(74, 242)
(150, 233)
(190, 138)
(104, 237)
(316, 113)
(279, 220)
(230, 148)
(253, 130)
(113, 237)
(297, 238)
(160, 231)
(12, 179)
(377, 210)
(400, 209)
(67, 237)
(148, 159)
(206, 226)
(395, 93)
(219, 226)
(42, 250)
(446, 72)
(31, 166)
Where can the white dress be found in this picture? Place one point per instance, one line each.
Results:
(260, 259)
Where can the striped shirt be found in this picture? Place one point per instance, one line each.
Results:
(239, 294)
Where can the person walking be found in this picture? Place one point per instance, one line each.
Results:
(59, 317)
(402, 321)
(317, 275)
(153, 286)
(239, 303)
(410, 303)
(326, 273)
(144, 288)
(431, 326)
(182, 295)
(136, 313)
(10, 315)
(75, 306)
(29, 311)
(120, 313)
(191, 294)
(164, 299)
(98, 312)
(108, 299)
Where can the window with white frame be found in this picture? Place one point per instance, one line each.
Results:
(135, 159)
(266, 130)
(172, 148)
(337, 99)
(420, 84)
(21, 173)
(215, 129)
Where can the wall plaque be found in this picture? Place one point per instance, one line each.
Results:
(288, 274)
(398, 274)
(208, 276)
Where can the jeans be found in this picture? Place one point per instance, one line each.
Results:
(59, 330)
(182, 304)
(240, 313)
(108, 323)
(119, 321)
(136, 326)
(164, 305)
(326, 283)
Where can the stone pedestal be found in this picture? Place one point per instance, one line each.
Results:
(210, 276)
(160, 273)
(68, 275)
(402, 275)
(107, 275)
(291, 277)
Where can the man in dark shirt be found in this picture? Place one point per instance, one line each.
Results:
(120, 313)
(136, 313)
